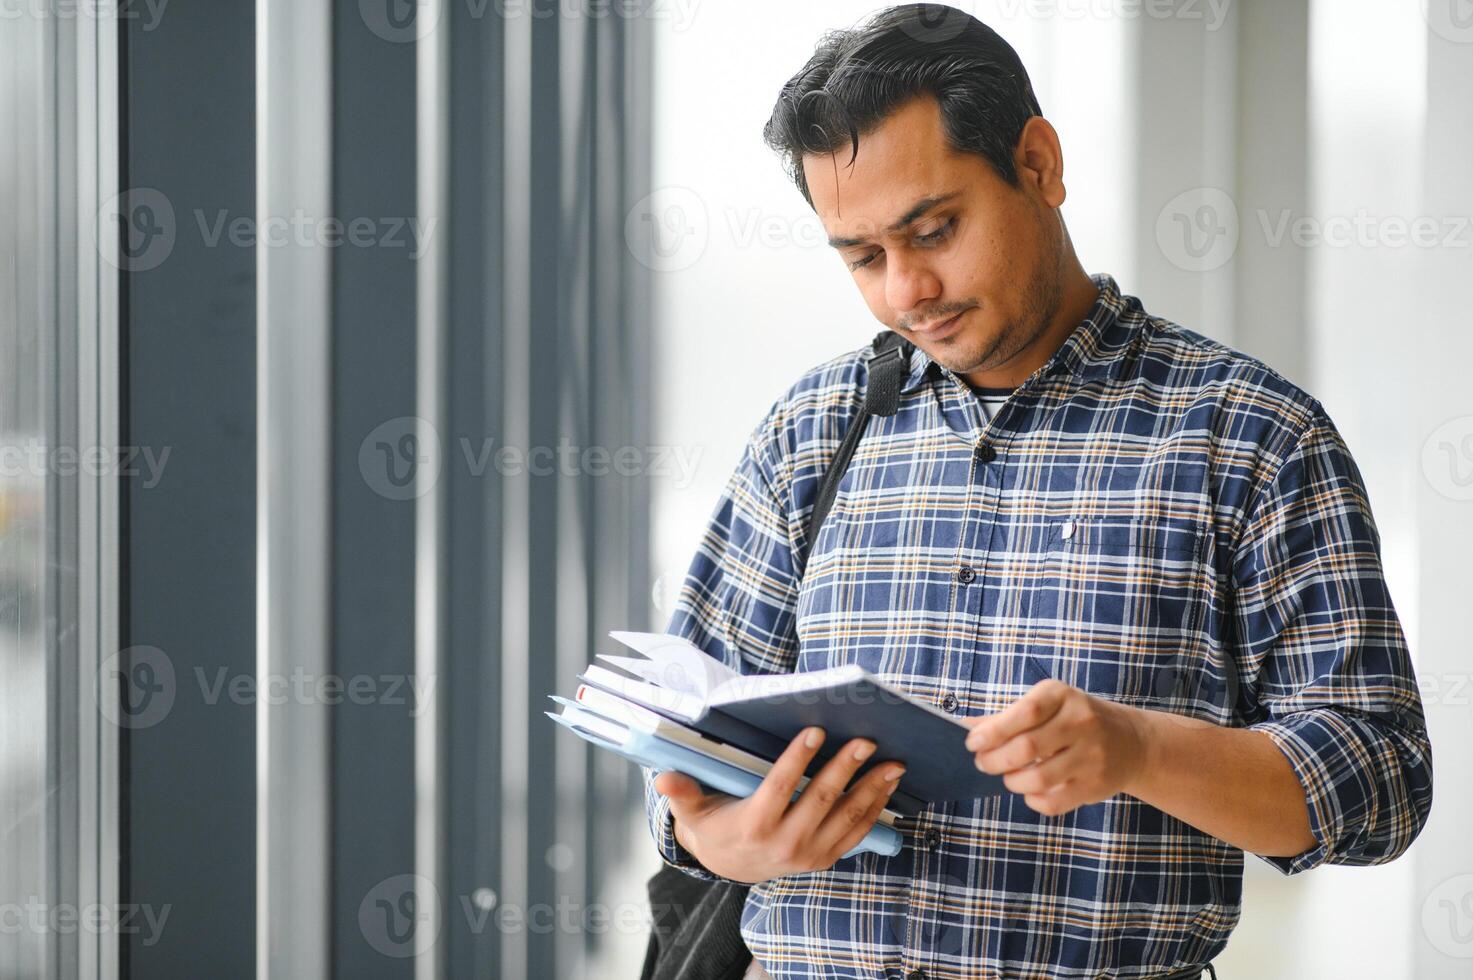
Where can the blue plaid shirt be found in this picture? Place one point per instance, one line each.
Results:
(1153, 518)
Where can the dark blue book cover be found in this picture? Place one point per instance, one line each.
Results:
(938, 766)
(762, 713)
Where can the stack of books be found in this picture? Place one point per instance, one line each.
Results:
(676, 707)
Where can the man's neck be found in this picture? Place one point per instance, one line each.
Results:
(1080, 294)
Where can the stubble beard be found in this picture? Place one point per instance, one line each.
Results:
(1016, 336)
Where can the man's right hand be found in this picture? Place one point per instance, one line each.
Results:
(769, 833)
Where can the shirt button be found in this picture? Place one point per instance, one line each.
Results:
(965, 574)
(949, 702)
(985, 453)
(916, 975)
(933, 838)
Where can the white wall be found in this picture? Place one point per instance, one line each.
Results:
(753, 297)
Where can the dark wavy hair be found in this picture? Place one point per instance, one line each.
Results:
(856, 77)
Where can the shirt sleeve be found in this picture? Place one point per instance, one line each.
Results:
(738, 602)
(1335, 689)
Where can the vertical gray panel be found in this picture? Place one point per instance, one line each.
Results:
(30, 495)
(58, 495)
(293, 419)
(1443, 398)
(1272, 321)
(517, 537)
(1185, 103)
(619, 403)
(546, 362)
(98, 409)
(544, 329)
(474, 501)
(189, 543)
(373, 393)
(431, 139)
(575, 542)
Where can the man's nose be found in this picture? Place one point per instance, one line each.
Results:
(909, 284)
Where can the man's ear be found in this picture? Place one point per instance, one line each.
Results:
(1039, 160)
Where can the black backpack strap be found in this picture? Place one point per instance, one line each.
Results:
(696, 932)
(889, 365)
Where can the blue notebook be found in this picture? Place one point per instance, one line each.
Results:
(650, 750)
(761, 713)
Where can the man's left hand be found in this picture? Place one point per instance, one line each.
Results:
(1060, 747)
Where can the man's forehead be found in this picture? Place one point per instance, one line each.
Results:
(860, 203)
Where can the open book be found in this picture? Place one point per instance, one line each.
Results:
(761, 713)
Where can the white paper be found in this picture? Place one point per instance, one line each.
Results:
(673, 663)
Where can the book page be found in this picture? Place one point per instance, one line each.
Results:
(673, 663)
(745, 687)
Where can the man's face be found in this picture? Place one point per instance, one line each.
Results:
(943, 250)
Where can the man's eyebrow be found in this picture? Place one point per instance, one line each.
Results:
(920, 208)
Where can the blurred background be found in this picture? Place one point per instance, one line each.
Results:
(363, 363)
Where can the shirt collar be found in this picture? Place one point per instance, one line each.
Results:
(1093, 350)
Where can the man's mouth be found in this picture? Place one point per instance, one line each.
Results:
(939, 330)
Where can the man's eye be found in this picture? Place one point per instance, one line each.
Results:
(858, 264)
(932, 238)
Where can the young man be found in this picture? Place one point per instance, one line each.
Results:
(1139, 565)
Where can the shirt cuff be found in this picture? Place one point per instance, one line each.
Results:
(1317, 753)
(662, 825)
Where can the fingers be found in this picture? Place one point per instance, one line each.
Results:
(1021, 750)
(1060, 799)
(1053, 771)
(1042, 701)
(824, 789)
(856, 811)
(770, 801)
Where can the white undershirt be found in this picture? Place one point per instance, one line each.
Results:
(991, 401)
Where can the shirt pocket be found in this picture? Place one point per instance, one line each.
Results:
(1117, 606)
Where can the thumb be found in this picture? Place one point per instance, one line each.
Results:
(684, 792)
